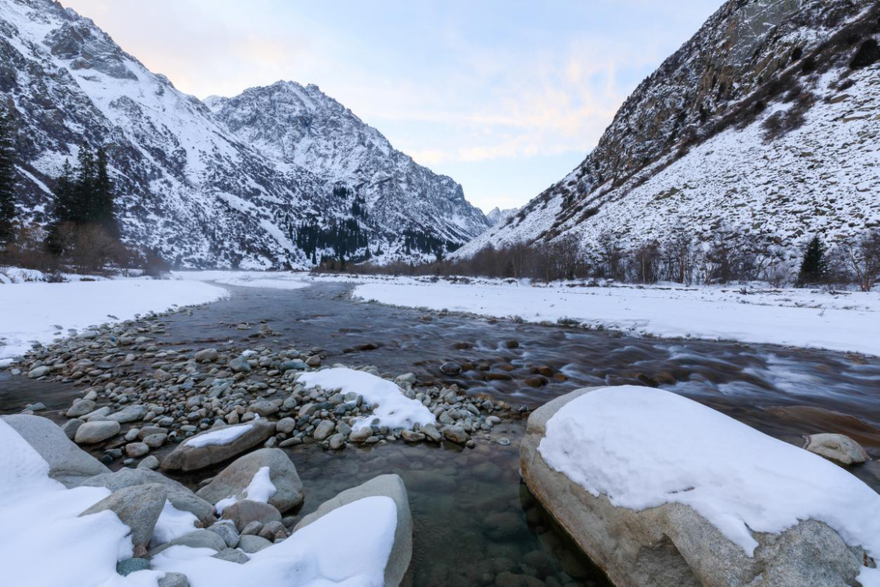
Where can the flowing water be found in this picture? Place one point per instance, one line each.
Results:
(473, 518)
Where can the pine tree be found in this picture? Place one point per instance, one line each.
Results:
(85, 207)
(63, 209)
(103, 196)
(7, 177)
(814, 267)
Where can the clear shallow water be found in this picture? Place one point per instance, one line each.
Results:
(472, 517)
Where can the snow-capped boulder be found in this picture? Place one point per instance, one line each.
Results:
(67, 462)
(384, 485)
(660, 490)
(180, 497)
(263, 475)
(217, 445)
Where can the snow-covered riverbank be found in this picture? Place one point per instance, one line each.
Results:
(42, 312)
(846, 322)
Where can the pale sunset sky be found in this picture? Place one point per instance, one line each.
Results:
(504, 96)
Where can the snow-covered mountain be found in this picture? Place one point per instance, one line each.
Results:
(498, 215)
(764, 124)
(189, 187)
(298, 126)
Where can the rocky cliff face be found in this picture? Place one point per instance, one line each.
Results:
(301, 126)
(189, 186)
(764, 123)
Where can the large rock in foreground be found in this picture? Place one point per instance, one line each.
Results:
(138, 507)
(217, 445)
(384, 485)
(670, 544)
(180, 497)
(235, 479)
(68, 463)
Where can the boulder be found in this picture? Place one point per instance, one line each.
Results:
(68, 463)
(671, 545)
(180, 497)
(189, 456)
(97, 431)
(837, 448)
(243, 512)
(385, 485)
(234, 479)
(138, 507)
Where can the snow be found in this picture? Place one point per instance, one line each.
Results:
(348, 546)
(842, 321)
(220, 437)
(45, 543)
(646, 447)
(172, 523)
(394, 410)
(260, 489)
(33, 312)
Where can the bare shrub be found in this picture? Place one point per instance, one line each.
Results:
(861, 258)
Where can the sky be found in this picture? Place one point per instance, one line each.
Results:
(504, 96)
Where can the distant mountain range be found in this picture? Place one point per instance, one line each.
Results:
(764, 127)
(275, 177)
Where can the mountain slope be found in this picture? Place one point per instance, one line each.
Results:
(301, 126)
(188, 186)
(758, 125)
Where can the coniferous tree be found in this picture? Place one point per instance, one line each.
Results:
(83, 197)
(103, 195)
(7, 177)
(814, 266)
(63, 209)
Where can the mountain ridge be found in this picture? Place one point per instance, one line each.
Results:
(189, 187)
(722, 136)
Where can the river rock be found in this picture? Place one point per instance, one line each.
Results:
(389, 486)
(137, 507)
(240, 365)
(68, 463)
(252, 544)
(232, 555)
(187, 457)
(455, 434)
(174, 580)
(227, 532)
(39, 372)
(243, 512)
(81, 408)
(194, 539)
(672, 545)
(180, 497)
(136, 449)
(97, 431)
(235, 478)
(70, 427)
(128, 414)
(207, 356)
(324, 429)
(450, 368)
(837, 448)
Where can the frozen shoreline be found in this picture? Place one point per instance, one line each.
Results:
(39, 312)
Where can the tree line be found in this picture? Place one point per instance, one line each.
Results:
(82, 232)
(729, 258)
